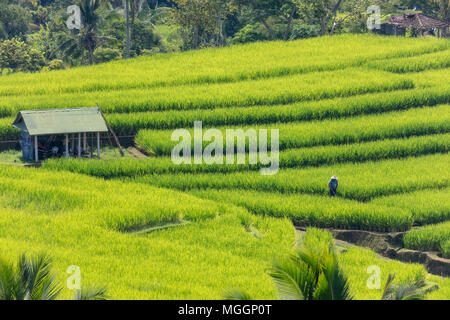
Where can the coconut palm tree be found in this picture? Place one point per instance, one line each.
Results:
(90, 294)
(312, 272)
(88, 38)
(29, 279)
(403, 291)
(32, 279)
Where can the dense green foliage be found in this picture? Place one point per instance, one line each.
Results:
(329, 132)
(445, 249)
(426, 206)
(358, 181)
(312, 156)
(428, 238)
(319, 211)
(371, 110)
(58, 213)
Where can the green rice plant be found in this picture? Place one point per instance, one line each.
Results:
(426, 206)
(361, 181)
(7, 132)
(233, 218)
(241, 62)
(158, 265)
(444, 288)
(409, 122)
(435, 60)
(427, 238)
(317, 211)
(311, 156)
(367, 151)
(272, 91)
(88, 225)
(445, 248)
(421, 121)
(131, 123)
(37, 192)
(356, 261)
(431, 78)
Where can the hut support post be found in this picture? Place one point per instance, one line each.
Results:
(92, 144)
(66, 154)
(79, 145)
(84, 142)
(73, 143)
(98, 144)
(36, 155)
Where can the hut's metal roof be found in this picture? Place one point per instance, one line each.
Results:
(60, 121)
(418, 21)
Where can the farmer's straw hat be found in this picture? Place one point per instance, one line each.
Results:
(333, 177)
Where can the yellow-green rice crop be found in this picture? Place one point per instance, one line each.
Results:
(420, 121)
(372, 110)
(356, 181)
(437, 60)
(282, 90)
(80, 221)
(426, 206)
(445, 248)
(251, 61)
(428, 238)
(131, 123)
(318, 211)
(355, 262)
(310, 156)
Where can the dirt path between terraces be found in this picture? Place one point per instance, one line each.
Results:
(136, 153)
(390, 245)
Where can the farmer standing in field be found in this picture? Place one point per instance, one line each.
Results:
(332, 185)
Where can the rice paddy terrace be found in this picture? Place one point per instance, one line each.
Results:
(375, 111)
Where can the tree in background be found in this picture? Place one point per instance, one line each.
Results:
(127, 17)
(320, 12)
(444, 9)
(186, 24)
(143, 37)
(19, 56)
(197, 19)
(14, 20)
(444, 13)
(263, 10)
(88, 38)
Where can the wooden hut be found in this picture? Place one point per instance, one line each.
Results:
(60, 132)
(420, 22)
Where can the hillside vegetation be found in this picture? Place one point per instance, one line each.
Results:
(375, 111)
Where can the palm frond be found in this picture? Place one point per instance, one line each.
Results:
(236, 294)
(292, 279)
(91, 294)
(386, 290)
(36, 278)
(403, 291)
(335, 285)
(8, 281)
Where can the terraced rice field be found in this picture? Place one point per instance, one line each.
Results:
(375, 111)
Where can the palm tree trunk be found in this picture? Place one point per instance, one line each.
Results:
(269, 29)
(288, 27)
(91, 55)
(127, 15)
(133, 11)
(220, 24)
(196, 27)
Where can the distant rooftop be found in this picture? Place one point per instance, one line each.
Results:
(60, 121)
(418, 21)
